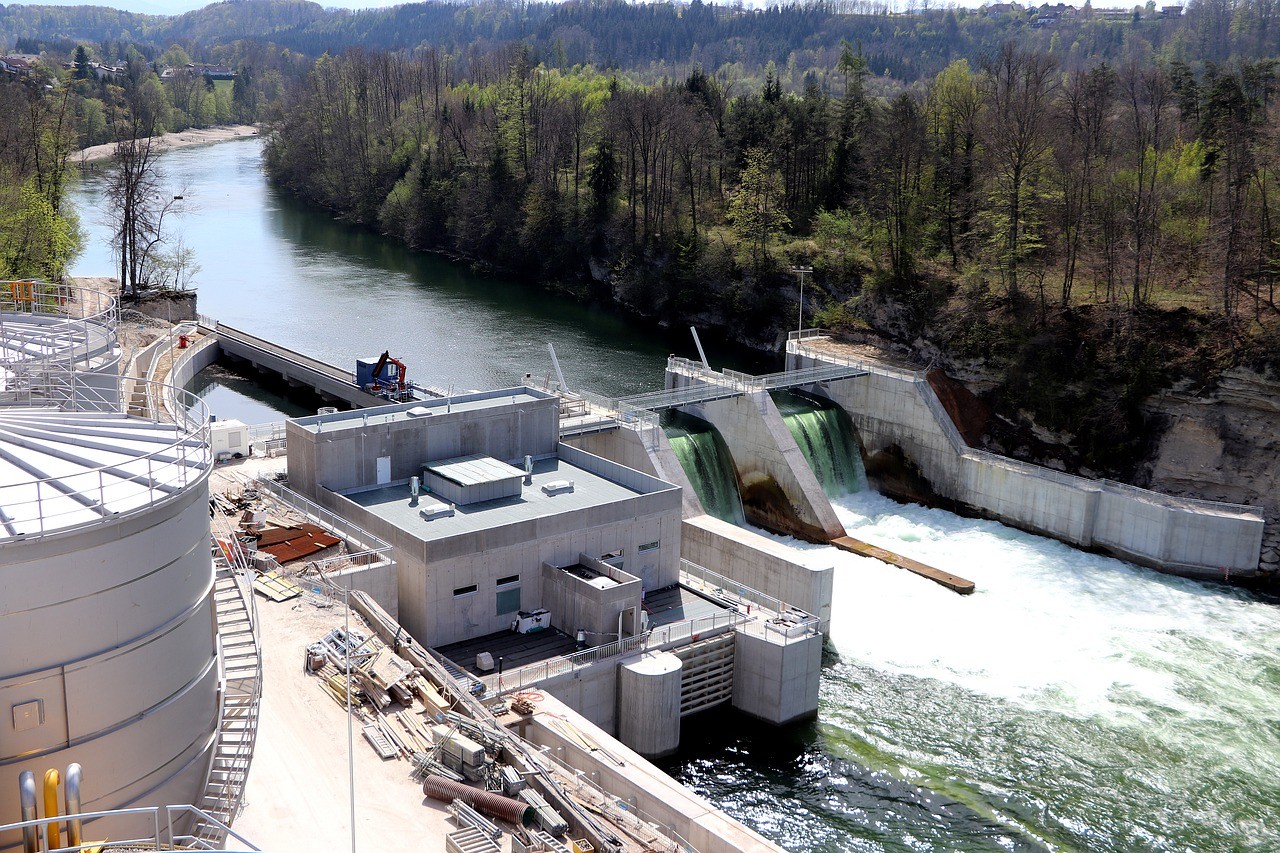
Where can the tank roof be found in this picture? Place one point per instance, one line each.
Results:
(65, 469)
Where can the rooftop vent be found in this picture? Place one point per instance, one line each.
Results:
(555, 487)
(418, 412)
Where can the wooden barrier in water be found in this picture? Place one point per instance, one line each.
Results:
(857, 546)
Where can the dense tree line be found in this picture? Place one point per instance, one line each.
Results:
(668, 39)
(978, 206)
(38, 236)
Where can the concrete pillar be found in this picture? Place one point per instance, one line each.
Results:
(775, 679)
(649, 703)
(780, 491)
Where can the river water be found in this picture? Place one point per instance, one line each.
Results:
(1073, 702)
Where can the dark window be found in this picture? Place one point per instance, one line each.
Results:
(508, 579)
(508, 600)
(650, 546)
(464, 590)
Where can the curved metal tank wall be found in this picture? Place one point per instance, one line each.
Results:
(108, 656)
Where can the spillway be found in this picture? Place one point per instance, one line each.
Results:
(706, 460)
(828, 440)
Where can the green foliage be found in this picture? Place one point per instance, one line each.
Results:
(755, 209)
(35, 240)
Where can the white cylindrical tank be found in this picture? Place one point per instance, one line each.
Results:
(58, 344)
(108, 651)
(649, 703)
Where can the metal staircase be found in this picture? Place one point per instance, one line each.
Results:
(240, 691)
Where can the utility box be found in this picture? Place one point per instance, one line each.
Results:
(528, 621)
(229, 438)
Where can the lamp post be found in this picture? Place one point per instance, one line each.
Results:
(800, 273)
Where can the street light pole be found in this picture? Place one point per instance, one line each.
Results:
(800, 273)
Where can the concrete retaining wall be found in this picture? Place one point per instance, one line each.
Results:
(759, 563)
(895, 407)
(648, 451)
(777, 681)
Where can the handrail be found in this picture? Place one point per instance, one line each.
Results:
(326, 517)
(171, 814)
(536, 673)
(798, 623)
(188, 454)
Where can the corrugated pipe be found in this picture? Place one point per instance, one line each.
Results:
(52, 832)
(27, 792)
(72, 795)
(496, 805)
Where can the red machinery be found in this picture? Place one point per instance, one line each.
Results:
(383, 361)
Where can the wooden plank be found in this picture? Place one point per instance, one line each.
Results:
(275, 587)
(857, 546)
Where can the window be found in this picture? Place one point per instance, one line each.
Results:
(509, 579)
(508, 598)
(650, 546)
(464, 590)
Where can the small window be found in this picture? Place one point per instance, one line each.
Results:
(650, 546)
(508, 579)
(464, 590)
(508, 600)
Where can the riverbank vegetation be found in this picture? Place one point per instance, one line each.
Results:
(1056, 221)
(1076, 208)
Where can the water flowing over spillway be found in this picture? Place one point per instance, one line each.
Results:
(706, 461)
(1074, 701)
(827, 439)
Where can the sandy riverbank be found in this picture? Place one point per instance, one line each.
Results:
(170, 141)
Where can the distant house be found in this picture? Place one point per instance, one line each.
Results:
(213, 72)
(107, 72)
(18, 64)
(1114, 14)
(995, 10)
(1171, 11)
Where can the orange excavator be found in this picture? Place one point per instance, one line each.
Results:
(383, 361)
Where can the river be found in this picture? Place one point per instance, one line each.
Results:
(1073, 702)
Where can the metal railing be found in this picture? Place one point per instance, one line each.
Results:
(162, 837)
(772, 614)
(323, 517)
(178, 459)
(654, 638)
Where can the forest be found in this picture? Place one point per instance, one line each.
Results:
(1083, 211)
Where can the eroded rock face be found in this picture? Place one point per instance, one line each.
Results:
(1224, 445)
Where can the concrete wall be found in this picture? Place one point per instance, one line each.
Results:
(776, 679)
(591, 691)
(759, 563)
(895, 407)
(656, 795)
(343, 454)
(577, 605)
(643, 450)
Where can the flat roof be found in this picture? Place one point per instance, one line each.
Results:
(60, 470)
(393, 503)
(474, 470)
(420, 409)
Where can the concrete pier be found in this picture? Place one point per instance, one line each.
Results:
(649, 703)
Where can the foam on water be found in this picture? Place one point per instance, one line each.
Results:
(1080, 700)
